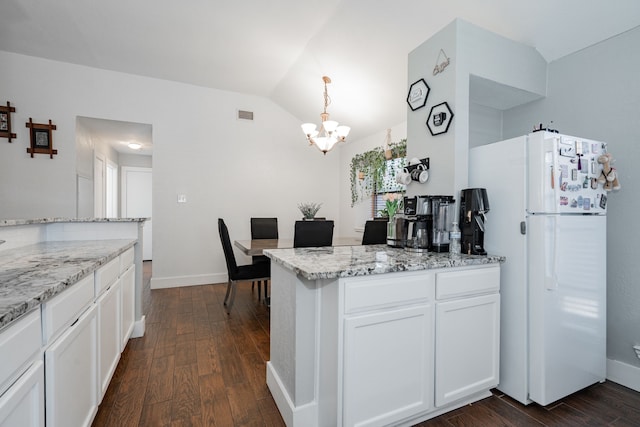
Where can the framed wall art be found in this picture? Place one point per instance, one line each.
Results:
(418, 93)
(5, 121)
(41, 138)
(439, 119)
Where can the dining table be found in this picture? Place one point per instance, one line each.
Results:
(256, 246)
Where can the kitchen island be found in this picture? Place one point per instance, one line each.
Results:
(376, 336)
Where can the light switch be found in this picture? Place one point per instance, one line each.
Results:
(182, 198)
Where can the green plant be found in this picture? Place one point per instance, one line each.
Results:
(309, 209)
(392, 203)
(374, 165)
(398, 149)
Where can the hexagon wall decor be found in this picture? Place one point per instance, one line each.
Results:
(439, 119)
(418, 93)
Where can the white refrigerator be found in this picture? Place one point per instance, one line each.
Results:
(548, 217)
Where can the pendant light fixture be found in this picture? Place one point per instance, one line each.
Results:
(330, 133)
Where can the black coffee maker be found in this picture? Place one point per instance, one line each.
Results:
(473, 205)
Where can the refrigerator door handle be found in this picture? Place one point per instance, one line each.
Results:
(551, 278)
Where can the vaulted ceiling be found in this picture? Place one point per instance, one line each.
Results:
(281, 48)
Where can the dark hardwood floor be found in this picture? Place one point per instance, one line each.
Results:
(196, 366)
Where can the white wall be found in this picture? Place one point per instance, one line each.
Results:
(595, 93)
(226, 167)
(472, 51)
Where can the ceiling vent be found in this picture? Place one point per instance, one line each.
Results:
(245, 115)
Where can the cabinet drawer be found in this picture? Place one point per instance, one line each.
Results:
(126, 260)
(63, 309)
(106, 275)
(19, 343)
(471, 281)
(386, 290)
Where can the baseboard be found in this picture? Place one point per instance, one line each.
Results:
(193, 280)
(138, 328)
(623, 374)
(303, 415)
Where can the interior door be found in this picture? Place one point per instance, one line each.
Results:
(136, 202)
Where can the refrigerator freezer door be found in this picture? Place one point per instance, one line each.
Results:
(563, 174)
(567, 304)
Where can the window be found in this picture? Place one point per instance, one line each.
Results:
(389, 186)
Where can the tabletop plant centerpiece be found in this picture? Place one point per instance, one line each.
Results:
(309, 210)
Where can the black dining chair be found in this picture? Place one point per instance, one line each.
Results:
(263, 228)
(259, 271)
(308, 234)
(375, 232)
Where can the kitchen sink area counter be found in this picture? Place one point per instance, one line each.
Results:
(347, 261)
(70, 299)
(31, 275)
(377, 336)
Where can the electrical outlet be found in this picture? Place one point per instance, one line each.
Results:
(637, 349)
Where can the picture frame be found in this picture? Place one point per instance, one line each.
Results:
(5, 121)
(41, 138)
(418, 94)
(439, 119)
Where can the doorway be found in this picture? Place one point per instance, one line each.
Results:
(114, 171)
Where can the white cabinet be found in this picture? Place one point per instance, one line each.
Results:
(71, 374)
(128, 288)
(109, 335)
(387, 375)
(388, 349)
(23, 403)
(383, 349)
(21, 373)
(20, 345)
(467, 333)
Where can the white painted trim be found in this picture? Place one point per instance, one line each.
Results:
(139, 328)
(623, 374)
(305, 415)
(191, 280)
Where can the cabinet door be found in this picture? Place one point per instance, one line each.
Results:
(388, 366)
(128, 284)
(467, 347)
(108, 335)
(71, 374)
(23, 403)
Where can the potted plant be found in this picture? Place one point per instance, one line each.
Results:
(309, 210)
(373, 165)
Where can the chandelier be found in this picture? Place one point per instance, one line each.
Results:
(330, 133)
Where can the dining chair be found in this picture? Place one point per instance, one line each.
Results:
(308, 234)
(263, 228)
(259, 271)
(375, 232)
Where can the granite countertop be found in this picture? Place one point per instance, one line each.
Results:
(347, 261)
(13, 222)
(32, 274)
